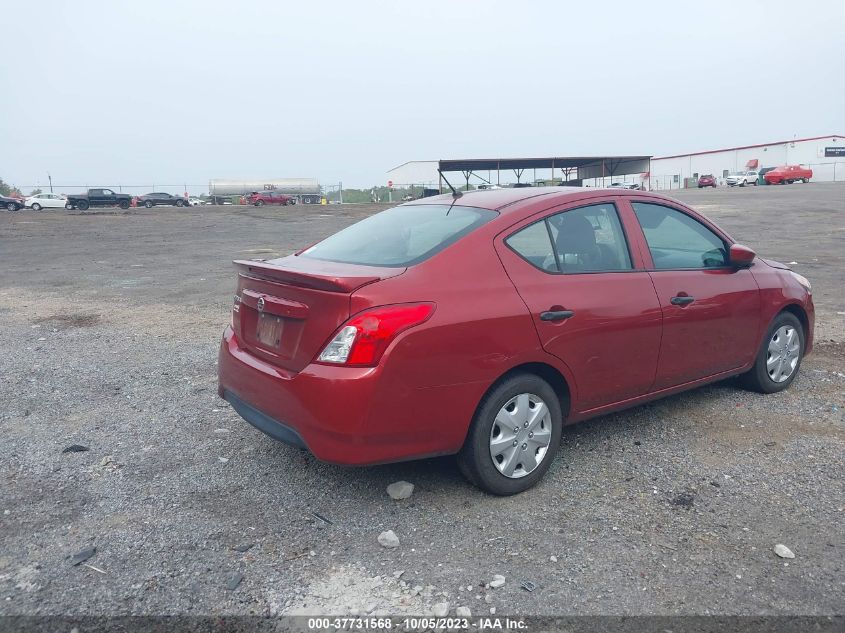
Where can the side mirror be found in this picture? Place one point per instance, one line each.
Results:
(741, 256)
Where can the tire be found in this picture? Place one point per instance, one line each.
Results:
(179, 203)
(742, 184)
(148, 204)
(11, 206)
(805, 180)
(124, 204)
(69, 206)
(36, 207)
(82, 205)
(476, 460)
(259, 203)
(754, 183)
(759, 377)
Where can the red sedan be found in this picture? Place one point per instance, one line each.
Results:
(479, 325)
(788, 174)
(260, 198)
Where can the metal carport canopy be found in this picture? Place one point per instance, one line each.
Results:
(588, 166)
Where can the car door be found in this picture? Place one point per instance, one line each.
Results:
(592, 303)
(711, 310)
(52, 200)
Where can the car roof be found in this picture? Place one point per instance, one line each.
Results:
(506, 201)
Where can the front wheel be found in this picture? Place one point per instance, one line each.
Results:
(124, 204)
(36, 207)
(148, 204)
(69, 206)
(259, 203)
(779, 358)
(82, 205)
(514, 436)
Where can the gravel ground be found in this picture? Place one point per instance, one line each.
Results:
(111, 322)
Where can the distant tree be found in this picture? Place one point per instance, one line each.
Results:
(35, 192)
(5, 189)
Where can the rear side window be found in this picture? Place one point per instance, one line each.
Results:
(678, 241)
(401, 236)
(584, 240)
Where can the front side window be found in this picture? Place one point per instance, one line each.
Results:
(401, 236)
(678, 241)
(584, 240)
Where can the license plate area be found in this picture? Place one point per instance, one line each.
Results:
(269, 330)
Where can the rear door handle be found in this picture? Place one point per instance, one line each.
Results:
(556, 315)
(681, 301)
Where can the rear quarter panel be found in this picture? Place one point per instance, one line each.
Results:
(434, 375)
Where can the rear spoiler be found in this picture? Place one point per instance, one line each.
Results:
(326, 276)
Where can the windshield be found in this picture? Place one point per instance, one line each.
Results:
(401, 236)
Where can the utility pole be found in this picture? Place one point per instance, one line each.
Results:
(340, 192)
(50, 178)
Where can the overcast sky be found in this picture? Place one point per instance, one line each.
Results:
(164, 93)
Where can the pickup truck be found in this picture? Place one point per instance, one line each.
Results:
(98, 198)
(788, 174)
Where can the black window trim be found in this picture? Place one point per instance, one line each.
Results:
(723, 238)
(545, 218)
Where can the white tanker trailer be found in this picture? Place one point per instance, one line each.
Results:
(305, 190)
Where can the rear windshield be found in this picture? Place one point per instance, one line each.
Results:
(401, 236)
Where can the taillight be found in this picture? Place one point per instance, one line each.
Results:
(363, 338)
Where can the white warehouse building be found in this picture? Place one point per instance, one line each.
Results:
(825, 155)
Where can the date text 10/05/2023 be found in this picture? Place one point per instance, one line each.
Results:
(415, 623)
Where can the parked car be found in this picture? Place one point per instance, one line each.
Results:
(196, 202)
(11, 204)
(623, 185)
(788, 174)
(707, 180)
(480, 325)
(151, 200)
(98, 198)
(45, 201)
(260, 198)
(742, 178)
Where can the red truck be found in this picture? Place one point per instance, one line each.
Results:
(788, 174)
(260, 198)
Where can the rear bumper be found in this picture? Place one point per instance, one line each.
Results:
(343, 415)
(263, 422)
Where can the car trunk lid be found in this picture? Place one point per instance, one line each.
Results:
(288, 308)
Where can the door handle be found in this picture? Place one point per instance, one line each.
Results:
(681, 300)
(556, 315)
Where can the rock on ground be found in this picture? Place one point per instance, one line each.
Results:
(783, 551)
(388, 539)
(400, 490)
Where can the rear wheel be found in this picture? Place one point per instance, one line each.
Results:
(11, 206)
(514, 436)
(69, 206)
(179, 203)
(82, 205)
(148, 204)
(805, 180)
(259, 203)
(36, 207)
(779, 358)
(124, 204)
